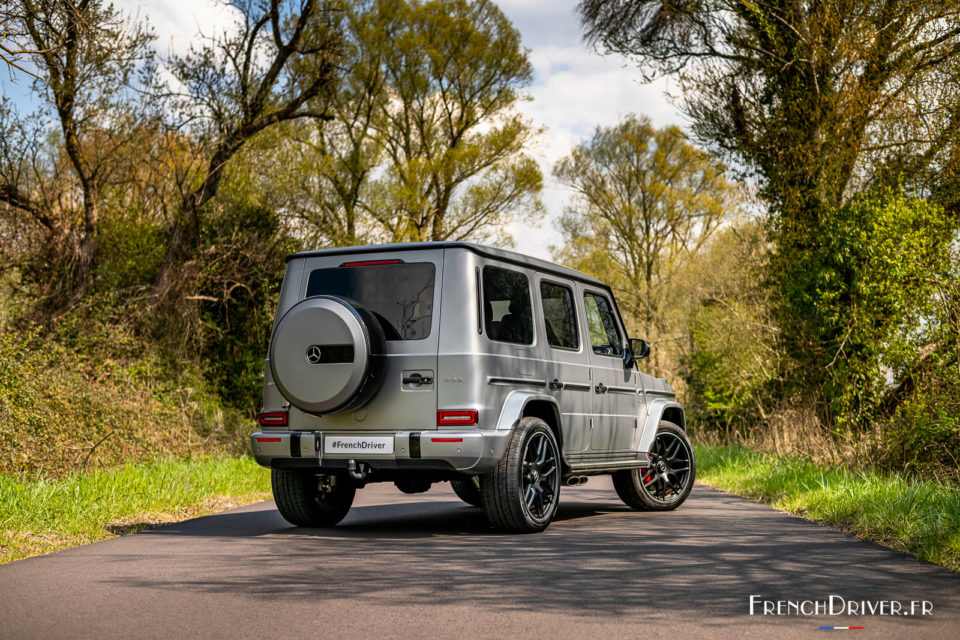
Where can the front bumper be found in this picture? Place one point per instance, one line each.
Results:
(472, 451)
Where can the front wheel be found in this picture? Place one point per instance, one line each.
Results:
(523, 491)
(667, 482)
(310, 499)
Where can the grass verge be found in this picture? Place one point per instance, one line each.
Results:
(39, 516)
(916, 516)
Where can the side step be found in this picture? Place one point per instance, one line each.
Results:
(606, 461)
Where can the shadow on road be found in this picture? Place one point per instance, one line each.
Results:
(599, 557)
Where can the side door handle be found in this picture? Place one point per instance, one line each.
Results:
(601, 388)
(555, 384)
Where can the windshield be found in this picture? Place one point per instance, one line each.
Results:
(400, 295)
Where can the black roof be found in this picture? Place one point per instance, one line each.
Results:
(489, 252)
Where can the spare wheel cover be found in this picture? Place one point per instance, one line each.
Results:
(323, 357)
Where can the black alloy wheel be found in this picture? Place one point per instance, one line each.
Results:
(522, 492)
(540, 475)
(671, 469)
(667, 481)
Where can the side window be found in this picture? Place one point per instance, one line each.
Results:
(604, 336)
(559, 315)
(507, 315)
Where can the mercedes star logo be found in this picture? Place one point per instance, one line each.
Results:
(313, 354)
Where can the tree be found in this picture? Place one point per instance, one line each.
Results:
(425, 141)
(646, 201)
(729, 359)
(870, 288)
(83, 54)
(330, 163)
(282, 55)
(824, 102)
(793, 90)
(15, 44)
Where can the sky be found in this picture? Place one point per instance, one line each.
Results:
(575, 90)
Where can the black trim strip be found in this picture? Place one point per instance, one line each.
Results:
(415, 444)
(605, 456)
(333, 354)
(622, 390)
(520, 382)
(479, 303)
(295, 444)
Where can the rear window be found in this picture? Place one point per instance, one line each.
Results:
(507, 314)
(399, 295)
(560, 318)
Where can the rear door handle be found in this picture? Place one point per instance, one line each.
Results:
(417, 379)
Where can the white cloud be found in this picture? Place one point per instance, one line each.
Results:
(178, 22)
(576, 91)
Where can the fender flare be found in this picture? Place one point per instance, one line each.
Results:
(655, 412)
(512, 408)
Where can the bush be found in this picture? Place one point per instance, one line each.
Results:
(732, 358)
(859, 298)
(923, 434)
(86, 394)
(238, 290)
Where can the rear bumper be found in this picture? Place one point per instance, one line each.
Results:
(471, 451)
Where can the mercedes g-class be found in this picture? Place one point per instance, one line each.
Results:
(505, 375)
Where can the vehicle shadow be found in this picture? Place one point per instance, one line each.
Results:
(598, 557)
(409, 519)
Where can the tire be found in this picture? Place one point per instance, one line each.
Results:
(523, 491)
(468, 490)
(310, 499)
(646, 489)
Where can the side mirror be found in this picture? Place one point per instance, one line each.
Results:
(637, 349)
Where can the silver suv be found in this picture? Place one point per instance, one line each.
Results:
(505, 375)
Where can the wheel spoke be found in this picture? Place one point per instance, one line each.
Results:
(659, 490)
(530, 496)
(667, 446)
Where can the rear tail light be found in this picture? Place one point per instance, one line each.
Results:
(272, 418)
(464, 417)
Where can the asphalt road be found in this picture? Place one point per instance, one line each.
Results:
(428, 566)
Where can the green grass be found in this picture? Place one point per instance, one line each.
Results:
(916, 516)
(42, 515)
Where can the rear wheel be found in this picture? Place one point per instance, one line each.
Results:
(523, 491)
(312, 500)
(667, 482)
(468, 490)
